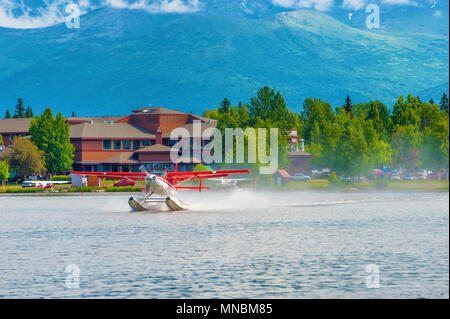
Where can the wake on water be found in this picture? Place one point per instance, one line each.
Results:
(247, 199)
(251, 199)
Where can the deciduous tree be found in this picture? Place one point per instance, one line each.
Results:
(4, 172)
(52, 136)
(25, 158)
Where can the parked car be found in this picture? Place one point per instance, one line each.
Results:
(408, 177)
(27, 184)
(359, 179)
(46, 186)
(421, 176)
(345, 178)
(300, 177)
(434, 177)
(325, 172)
(124, 183)
(394, 177)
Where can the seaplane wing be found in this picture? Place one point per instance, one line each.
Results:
(224, 180)
(115, 175)
(184, 176)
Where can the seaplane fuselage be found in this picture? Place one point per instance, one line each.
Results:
(158, 185)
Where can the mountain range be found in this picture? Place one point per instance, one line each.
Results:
(121, 59)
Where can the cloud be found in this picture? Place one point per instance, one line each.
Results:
(437, 14)
(354, 4)
(157, 6)
(44, 13)
(18, 16)
(321, 5)
(396, 1)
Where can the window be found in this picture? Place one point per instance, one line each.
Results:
(146, 143)
(126, 145)
(136, 145)
(117, 145)
(106, 144)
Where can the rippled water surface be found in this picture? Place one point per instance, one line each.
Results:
(230, 245)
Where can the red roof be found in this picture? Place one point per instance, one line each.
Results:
(283, 173)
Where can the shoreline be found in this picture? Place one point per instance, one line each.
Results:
(262, 190)
(311, 186)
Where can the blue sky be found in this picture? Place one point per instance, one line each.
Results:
(28, 14)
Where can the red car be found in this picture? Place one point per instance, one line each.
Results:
(124, 183)
(46, 186)
(434, 177)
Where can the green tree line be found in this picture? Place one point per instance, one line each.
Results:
(351, 139)
(47, 150)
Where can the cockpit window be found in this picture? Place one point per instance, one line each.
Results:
(162, 174)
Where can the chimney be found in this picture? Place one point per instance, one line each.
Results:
(302, 145)
(158, 137)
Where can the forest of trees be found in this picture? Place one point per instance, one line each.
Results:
(351, 139)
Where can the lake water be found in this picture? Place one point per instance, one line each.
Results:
(231, 244)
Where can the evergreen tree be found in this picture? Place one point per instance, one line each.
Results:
(431, 101)
(348, 106)
(20, 109)
(29, 112)
(7, 114)
(73, 114)
(261, 105)
(224, 106)
(444, 103)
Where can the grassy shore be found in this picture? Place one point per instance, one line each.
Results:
(314, 185)
(423, 186)
(15, 189)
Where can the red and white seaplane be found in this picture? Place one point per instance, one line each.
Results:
(164, 185)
